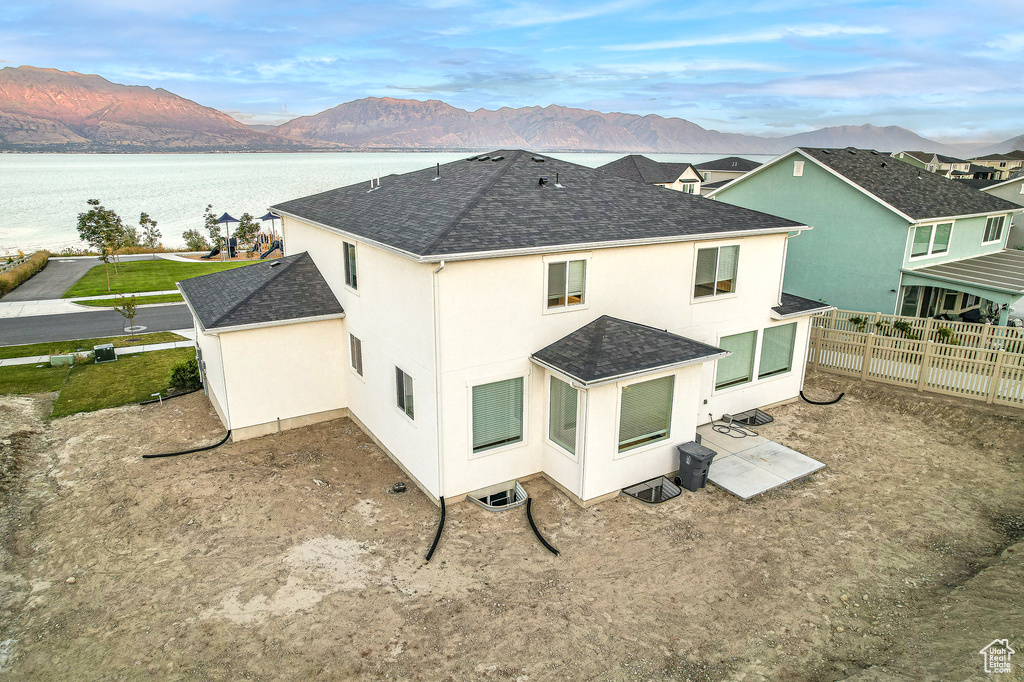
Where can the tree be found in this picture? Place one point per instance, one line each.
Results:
(150, 235)
(128, 311)
(195, 241)
(130, 237)
(246, 231)
(211, 224)
(101, 229)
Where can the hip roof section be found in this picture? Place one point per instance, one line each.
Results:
(498, 202)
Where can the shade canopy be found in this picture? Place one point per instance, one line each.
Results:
(226, 219)
(269, 216)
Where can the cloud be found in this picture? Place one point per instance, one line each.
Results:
(521, 15)
(761, 36)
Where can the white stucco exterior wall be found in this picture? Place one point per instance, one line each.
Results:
(213, 373)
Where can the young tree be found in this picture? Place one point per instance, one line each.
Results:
(128, 311)
(150, 235)
(131, 238)
(246, 231)
(195, 241)
(211, 224)
(101, 229)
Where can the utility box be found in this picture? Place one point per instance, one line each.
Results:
(694, 463)
(105, 352)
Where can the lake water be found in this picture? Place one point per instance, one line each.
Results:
(41, 195)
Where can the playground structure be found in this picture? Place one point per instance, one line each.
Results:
(265, 243)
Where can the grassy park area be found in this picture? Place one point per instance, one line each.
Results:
(89, 387)
(142, 275)
(139, 300)
(61, 347)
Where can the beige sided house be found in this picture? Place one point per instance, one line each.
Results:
(486, 323)
(682, 177)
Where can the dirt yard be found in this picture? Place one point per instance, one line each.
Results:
(286, 557)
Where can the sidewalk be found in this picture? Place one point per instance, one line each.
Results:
(60, 306)
(189, 334)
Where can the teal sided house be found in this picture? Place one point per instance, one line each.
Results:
(888, 237)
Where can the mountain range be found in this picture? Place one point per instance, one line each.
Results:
(51, 110)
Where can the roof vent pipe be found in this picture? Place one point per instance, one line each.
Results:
(542, 181)
(438, 176)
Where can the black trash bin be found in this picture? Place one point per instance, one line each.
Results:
(694, 462)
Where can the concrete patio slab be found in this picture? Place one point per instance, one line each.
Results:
(753, 465)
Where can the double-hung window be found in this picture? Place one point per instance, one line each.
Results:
(567, 281)
(931, 240)
(737, 368)
(404, 385)
(355, 351)
(777, 350)
(994, 228)
(497, 414)
(716, 271)
(645, 414)
(350, 264)
(562, 415)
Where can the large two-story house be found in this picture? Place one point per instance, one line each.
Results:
(682, 177)
(888, 237)
(504, 316)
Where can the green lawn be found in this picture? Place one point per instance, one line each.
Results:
(61, 347)
(139, 300)
(143, 275)
(22, 379)
(132, 379)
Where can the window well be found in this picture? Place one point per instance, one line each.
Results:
(653, 491)
(500, 497)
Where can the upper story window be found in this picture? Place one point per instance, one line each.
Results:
(567, 281)
(931, 240)
(798, 169)
(350, 264)
(994, 228)
(687, 188)
(716, 271)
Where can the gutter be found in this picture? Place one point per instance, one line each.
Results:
(631, 375)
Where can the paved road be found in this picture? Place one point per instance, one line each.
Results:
(57, 277)
(89, 325)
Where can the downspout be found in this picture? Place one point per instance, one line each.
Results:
(437, 380)
(584, 411)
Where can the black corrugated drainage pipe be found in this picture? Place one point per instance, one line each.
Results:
(168, 397)
(440, 527)
(187, 452)
(529, 515)
(827, 402)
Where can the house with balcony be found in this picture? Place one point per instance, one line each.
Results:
(506, 316)
(1004, 165)
(682, 177)
(888, 237)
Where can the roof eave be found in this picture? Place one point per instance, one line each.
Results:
(803, 313)
(195, 315)
(630, 375)
(1000, 211)
(273, 323)
(962, 282)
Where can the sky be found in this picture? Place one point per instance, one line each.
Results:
(951, 71)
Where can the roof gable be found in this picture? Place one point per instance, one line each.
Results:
(610, 348)
(281, 290)
(513, 200)
(728, 164)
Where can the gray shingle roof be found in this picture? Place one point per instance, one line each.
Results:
(286, 289)
(797, 306)
(1003, 271)
(639, 168)
(498, 205)
(912, 191)
(729, 163)
(609, 347)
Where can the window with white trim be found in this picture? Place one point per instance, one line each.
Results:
(403, 384)
(645, 413)
(497, 414)
(798, 169)
(777, 345)
(562, 414)
(687, 187)
(737, 368)
(567, 281)
(349, 251)
(931, 240)
(355, 351)
(994, 228)
(715, 274)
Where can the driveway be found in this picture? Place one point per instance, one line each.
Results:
(57, 277)
(40, 328)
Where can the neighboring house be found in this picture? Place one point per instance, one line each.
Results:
(947, 165)
(728, 168)
(888, 237)
(974, 172)
(1004, 164)
(484, 323)
(1012, 190)
(916, 158)
(682, 177)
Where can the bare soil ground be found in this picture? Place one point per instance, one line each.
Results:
(285, 557)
